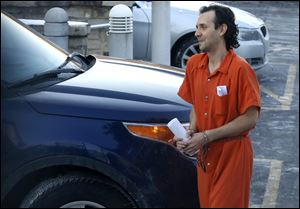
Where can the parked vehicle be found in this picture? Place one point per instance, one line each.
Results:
(88, 132)
(253, 38)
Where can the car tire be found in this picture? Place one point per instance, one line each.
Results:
(75, 191)
(184, 50)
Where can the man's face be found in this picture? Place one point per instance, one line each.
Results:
(208, 37)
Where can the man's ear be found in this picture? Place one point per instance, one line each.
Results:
(223, 28)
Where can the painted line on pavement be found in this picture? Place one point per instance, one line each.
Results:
(272, 185)
(287, 98)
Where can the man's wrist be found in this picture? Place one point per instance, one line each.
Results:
(206, 137)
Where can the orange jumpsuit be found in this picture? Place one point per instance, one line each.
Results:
(229, 162)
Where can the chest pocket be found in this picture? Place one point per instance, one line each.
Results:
(220, 105)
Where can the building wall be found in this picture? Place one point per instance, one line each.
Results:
(93, 12)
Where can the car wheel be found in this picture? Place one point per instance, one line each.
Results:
(77, 191)
(185, 49)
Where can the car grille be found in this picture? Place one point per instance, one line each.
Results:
(264, 30)
(255, 61)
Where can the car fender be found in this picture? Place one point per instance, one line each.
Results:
(181, 36)
(81, 163)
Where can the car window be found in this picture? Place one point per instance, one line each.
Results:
(23, 53)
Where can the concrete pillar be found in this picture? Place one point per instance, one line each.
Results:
(56, 27)
(121, 32)
(161, 37)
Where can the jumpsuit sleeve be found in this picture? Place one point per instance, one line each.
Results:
(185, 90)
(248, 91)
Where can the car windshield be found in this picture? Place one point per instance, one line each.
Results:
(24, 53)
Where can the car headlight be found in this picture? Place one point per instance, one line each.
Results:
(248, 34)
(159, 132)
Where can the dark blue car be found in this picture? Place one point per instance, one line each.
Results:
(80, 131)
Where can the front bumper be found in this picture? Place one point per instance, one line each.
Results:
(255, 53)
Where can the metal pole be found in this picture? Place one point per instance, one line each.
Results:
(161, 40)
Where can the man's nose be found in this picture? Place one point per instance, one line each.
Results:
(197, 34)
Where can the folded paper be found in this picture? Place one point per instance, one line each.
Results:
(221, 90)
(177, 129)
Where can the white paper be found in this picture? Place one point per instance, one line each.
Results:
(221, 90)
(177, 129)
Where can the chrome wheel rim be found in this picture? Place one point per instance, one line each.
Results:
(82, 204)
(190, 51)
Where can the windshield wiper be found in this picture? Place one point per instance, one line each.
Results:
(77, 57)
(36, 78)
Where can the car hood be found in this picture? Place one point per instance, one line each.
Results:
(117, 89)
(243, 19)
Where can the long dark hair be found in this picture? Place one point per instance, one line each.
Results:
(224, 15)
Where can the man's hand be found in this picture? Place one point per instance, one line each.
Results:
(179, 143)
(196, 143)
